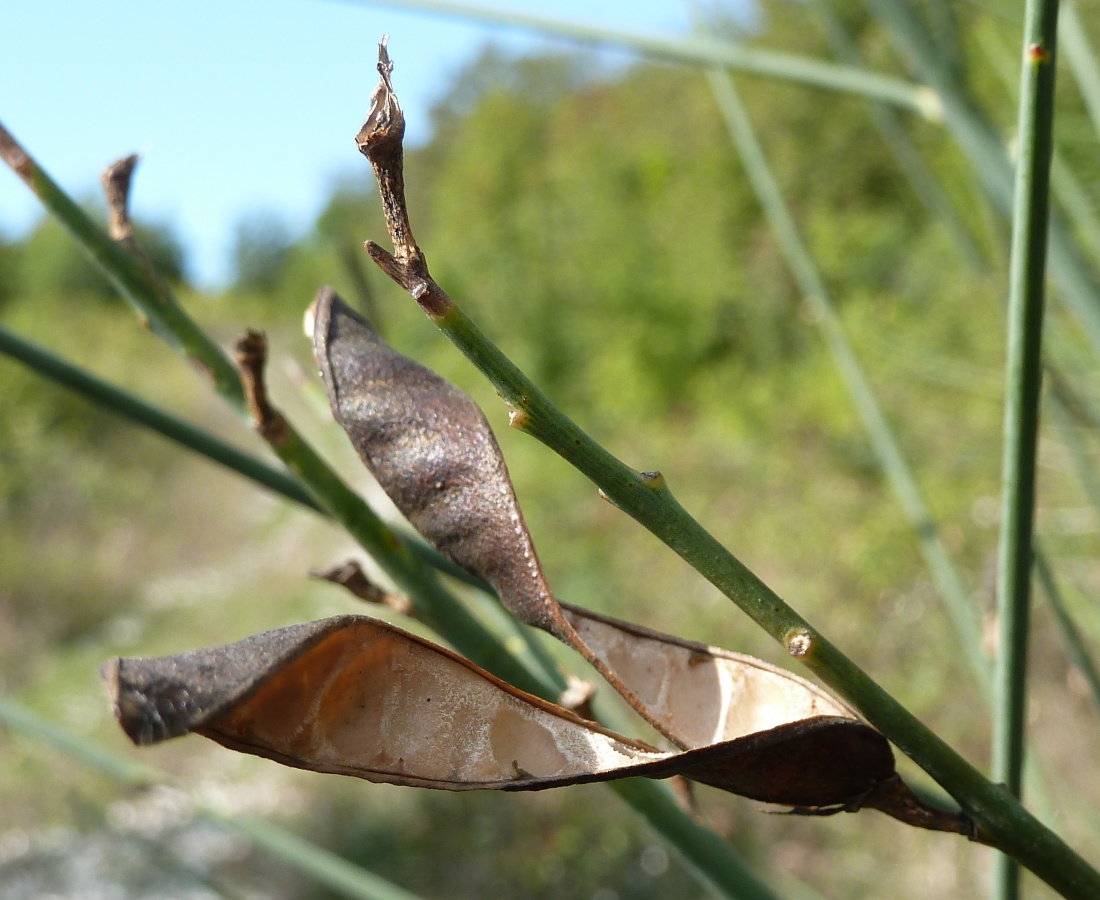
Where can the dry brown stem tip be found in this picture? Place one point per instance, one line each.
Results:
(351, 576)
(250, 354)
(380, 141)
(116, 180)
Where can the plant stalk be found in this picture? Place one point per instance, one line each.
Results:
(696, 51)
(899, 475)
(1027, 283)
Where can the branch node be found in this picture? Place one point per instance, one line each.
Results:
(350, 575)
(799, 642)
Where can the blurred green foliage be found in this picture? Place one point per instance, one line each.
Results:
(597, 226)
(48, 262)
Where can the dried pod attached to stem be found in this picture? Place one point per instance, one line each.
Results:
(433, 452)
(356, 696)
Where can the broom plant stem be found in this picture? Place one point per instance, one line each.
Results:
(137, 410)
(816, 295)
(1023, 382)
(695, 51)
(150, 298)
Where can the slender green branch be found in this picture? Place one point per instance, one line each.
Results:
(193, 437)
(979, 141)
(136, 410)
(700, 51)
(1027, 283)
(323, 866)
(956, 599)
(150, 298)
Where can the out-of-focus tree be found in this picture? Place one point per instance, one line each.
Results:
(261, 252)
(49, 261)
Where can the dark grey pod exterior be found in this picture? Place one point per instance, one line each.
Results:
(432, 451)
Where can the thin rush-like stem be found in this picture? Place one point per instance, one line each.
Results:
(999, 818)
(700, 51)
(1026, 296)
(800, 262)
(134, 409)
(149, 296)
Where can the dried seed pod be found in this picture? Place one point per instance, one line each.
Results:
(357, 696)
(705, 694)
(433, 452)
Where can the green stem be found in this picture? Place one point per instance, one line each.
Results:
(1023, 382)
(696, 51)
(959, 607)
(149, 296)
(136, 410)
(191, 436)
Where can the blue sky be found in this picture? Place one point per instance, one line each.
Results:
(235, 106)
